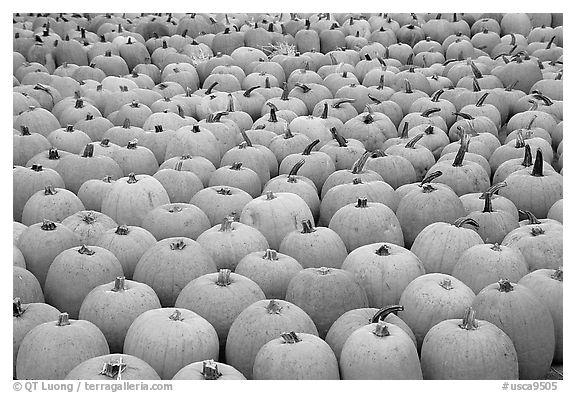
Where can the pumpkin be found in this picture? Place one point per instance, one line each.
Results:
(27, 181)
(297, 356)
(556, 211)
(132, 197)
(113, 306)
(379, 351)
(89, 225)
(259, 323)
(547, 285)
(525, 319)
(25, 286)
(541, 245)
(179, 259)
(383, 270)
(208, 370)
(274, 215)
(27, 145)
(219, 298)
(483, 264)
(324, 306)
(357, 172)
(52, 349)
(218, 202)
(75, 272)
(426, 204)
(26, 317)
(113, 367)
(37, 120)
(468, 349)
(18, 257)
(174, 220)
(432, 298)
(419, 156)
(52, 204)
(237, 176)
(344, 152)
(439, 245)
(179, 337)
(527, 186)
(194, 141)
(362, 223)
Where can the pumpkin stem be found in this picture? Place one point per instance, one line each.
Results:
(532, 219)
(496, 247)
(210, 370)
(359, 165)
(48, 225)
(133, 144)
(273, 118)
(407, 86)
(246, 138)
(464, 220)
(446, 284)
(285, 91)
(412, 143)
(323, 270)
(324, 114)
(384, 312)
(270, 195)
(63, 319)
(436, 96)
(36, 168)
(430, 111)
(428, 179)
(53, 154)
(119, 284)
(290, 338)
(224, 278)
(307, 227)
(343, 101)
(88, 151)
(362, 202)
(505, 285)
(537, 231)
(273, 307)
(295, 170)
(469, 322)
(86, 251)
(176, 316)
(558, 274)
(381, 329)
(482, 99)
(374, 99)
(383, 250)
(342, 142)
(49, 190)
(178, 245)
(464, 142)
(308, 150)
(17, 309)
(538, 169)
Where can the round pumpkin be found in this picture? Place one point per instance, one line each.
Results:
(116, 366)
(113, 306)
(170, 338)
(208, 370)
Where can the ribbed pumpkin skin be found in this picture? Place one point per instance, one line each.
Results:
(526, 320)
(325, 294)
(50, 351)
(136, 369)
(352, 320)
(419, 208)
(440, 245)
(33, 315)
(426, 302)
(73, 275)
(113, 311)
(275, 216)
(127, 244)
(272, 271)
(89, 225)
(258, 324)
(450, 352)
(308, 359)
(367, 356)
(548, 287)
(40, 245)
(320, 247)
(219, 304)
(228, 243)
(170, 265)
(383, 270)
(358, 226)
(168, 345)
(485, 264)
(193, 372)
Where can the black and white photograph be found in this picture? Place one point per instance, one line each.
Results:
(305, 196)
